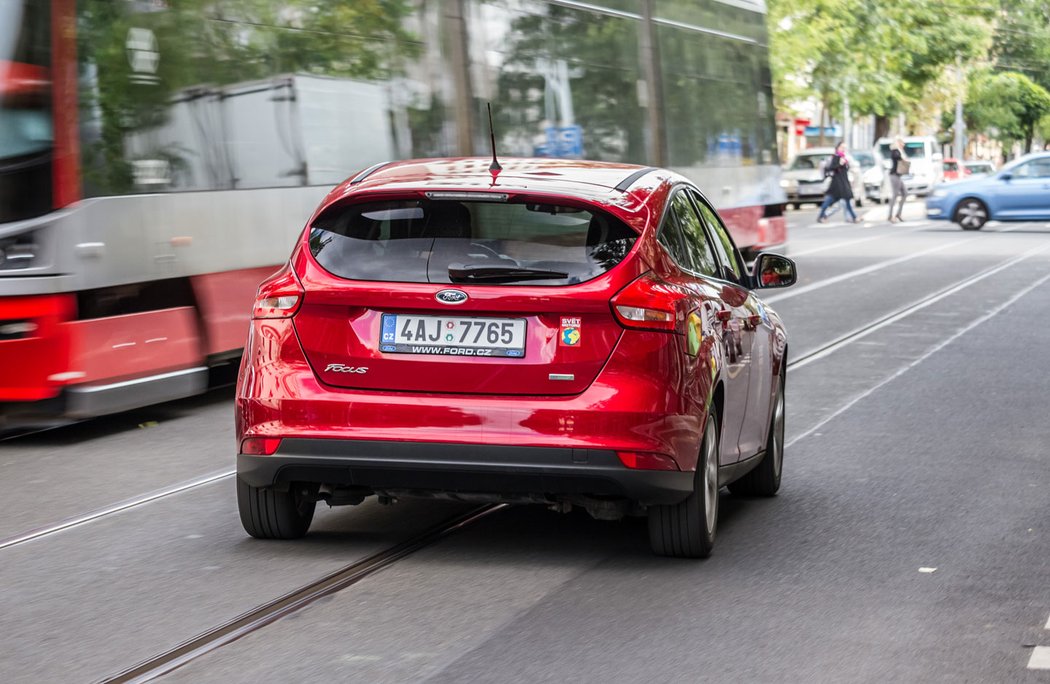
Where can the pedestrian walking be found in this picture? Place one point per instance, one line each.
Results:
(899, 167)
(840, 187)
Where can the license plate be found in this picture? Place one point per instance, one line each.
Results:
(452, 336)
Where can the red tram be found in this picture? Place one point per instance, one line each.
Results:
(158, 159)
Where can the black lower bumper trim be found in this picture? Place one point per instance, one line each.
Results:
(462, 468)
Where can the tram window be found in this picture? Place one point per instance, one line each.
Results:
(26, 137)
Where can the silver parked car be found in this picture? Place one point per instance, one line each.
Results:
(803, 179)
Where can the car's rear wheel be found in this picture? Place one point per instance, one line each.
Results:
(268, 513)
(687, 529)
(971, 214)
(764, 479)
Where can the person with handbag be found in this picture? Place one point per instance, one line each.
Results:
(839, 189)
(899, 167)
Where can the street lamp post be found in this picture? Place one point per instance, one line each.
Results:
(960, 125)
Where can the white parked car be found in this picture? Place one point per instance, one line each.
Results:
(927, 170)
(803, 179)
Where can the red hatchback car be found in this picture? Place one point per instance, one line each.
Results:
(561, 332)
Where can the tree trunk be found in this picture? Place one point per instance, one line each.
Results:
(882, 127)
(463, 93)
(649, 48)
(1029, 133)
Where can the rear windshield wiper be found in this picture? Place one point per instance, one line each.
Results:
(472, 273)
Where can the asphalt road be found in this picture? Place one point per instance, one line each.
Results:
(910, 541)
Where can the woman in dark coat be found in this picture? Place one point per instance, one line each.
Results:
(840, 188)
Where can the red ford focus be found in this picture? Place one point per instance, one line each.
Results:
(561, 332)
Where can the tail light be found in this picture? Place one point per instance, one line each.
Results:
(279, 296)
(260, 446)
(651, 304)
(643, 460)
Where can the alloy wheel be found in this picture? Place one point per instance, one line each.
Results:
(972, 215)
(710, 480)
(778, 435)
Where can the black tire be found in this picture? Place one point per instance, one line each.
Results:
(971, 214)
(764, 479)
(267, 513)
(687, 529)
(796, 206)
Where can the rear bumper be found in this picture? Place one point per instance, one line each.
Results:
(463, 469)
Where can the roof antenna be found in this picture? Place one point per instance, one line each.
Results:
(494, 166)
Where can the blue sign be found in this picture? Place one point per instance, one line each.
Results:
(562, 141)
(832, 131)
(389, 328)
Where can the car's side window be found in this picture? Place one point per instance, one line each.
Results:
(1039, 168)
(733, 268)
(697, 243)
(1023, 171)
(671, 237)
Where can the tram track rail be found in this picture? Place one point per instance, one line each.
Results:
(85, 518)
(879, 323)
(294, 601)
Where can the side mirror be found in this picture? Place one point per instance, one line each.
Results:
(773, 270)
(1006, 176)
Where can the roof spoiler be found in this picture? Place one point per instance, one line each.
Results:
(367, 172)
(623, 185)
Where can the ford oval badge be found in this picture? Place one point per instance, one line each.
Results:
(451, 296)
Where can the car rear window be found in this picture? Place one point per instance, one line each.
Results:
(491, 243)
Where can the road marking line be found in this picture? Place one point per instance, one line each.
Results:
(847, 243)
(835, 245)
(1047, 624)
(1040, 659)
(930, 352)
(863, 271)
(116, 508)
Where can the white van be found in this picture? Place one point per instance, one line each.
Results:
(924, 153)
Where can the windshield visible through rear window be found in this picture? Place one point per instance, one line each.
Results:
(808, 161)
(912, 150)
(424, 241)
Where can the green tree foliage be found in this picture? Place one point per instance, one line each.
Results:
(1022, 38)
(882, 53)
(1008, 103)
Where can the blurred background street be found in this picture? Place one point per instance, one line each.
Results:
(159, 159)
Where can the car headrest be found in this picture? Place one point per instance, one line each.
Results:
(597, 231)
(448, 220)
